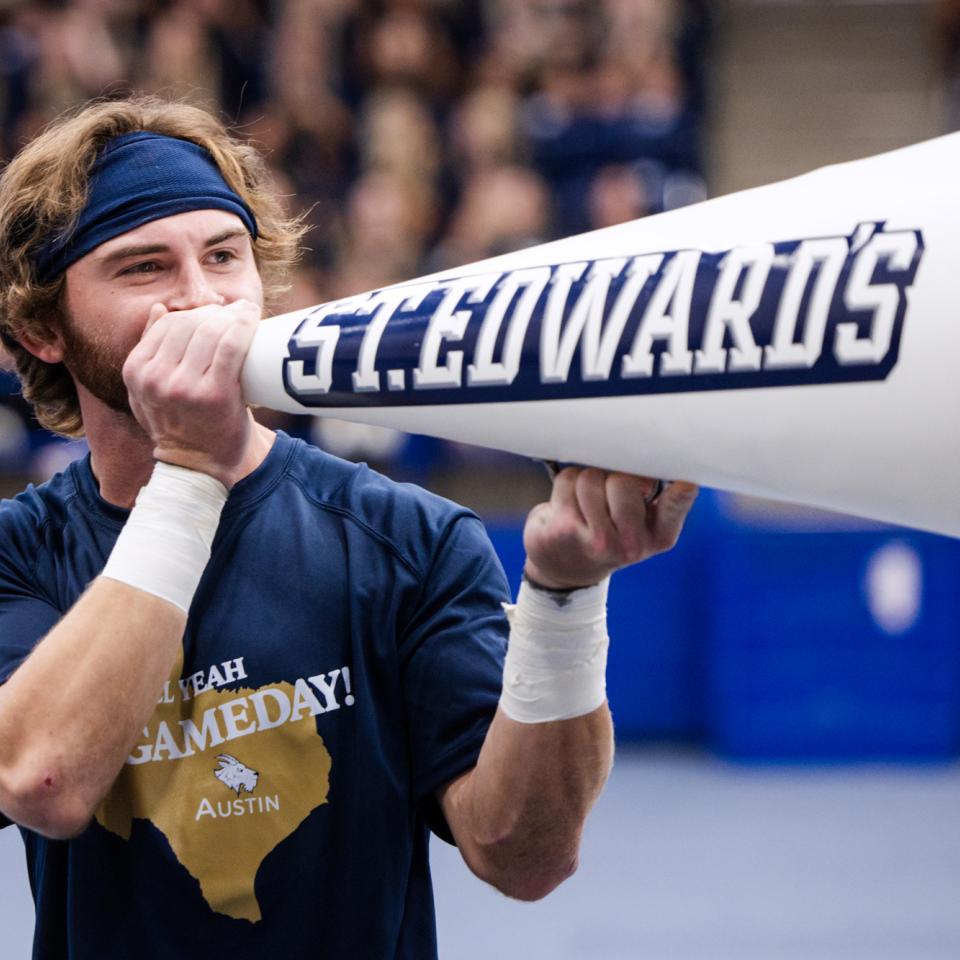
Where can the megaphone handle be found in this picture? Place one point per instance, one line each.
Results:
(552, 467)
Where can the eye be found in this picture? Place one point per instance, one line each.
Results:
(223, 257)
(143, 267)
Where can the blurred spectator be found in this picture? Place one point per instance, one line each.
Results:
(502, 209)
(19, 52)
(240, 35)
(609, 90)
(304, 71)
(85, 50)
(398, 135)
(946, 15)
(180, 56)
(388, 220)
(484, 131)
(402, 43)
(617, 194)
(412, 134)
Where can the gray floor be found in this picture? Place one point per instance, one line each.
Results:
(689, 859)
(686, 858)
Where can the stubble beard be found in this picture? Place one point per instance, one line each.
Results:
(97, 366)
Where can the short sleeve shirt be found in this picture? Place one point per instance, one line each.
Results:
(342, 660)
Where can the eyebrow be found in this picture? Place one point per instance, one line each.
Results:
(144, 249)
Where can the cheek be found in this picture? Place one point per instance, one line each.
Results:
(102, 313)
(119, 323)
(254, 287)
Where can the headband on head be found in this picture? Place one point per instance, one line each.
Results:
(137, 178)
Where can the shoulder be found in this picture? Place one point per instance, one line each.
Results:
(32, 531)
(403, 516)
(26, 518)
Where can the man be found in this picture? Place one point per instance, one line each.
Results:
(258, 778)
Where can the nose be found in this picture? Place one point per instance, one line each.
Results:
(192, 288)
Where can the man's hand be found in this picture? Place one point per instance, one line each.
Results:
(597, 522)
(183, 378)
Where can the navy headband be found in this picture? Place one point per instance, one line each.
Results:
(137, 178)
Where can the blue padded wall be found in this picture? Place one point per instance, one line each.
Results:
(800, 668)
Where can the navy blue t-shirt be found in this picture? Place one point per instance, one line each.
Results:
(342, 660)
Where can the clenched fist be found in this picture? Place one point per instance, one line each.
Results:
(598, 521)
(183, 379)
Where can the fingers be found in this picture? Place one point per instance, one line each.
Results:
(628, 499)
(563, 495)
(564, 486)
(669, 513)
(603, 514)
(610, 504)
(156, 312)
(232, 347)
(190, 357)
(172, 337)
(186, 342)
(591, 495)
(626, 518)
(598, 521)
(228, 332)
(149, 341)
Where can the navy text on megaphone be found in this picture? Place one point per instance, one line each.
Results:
(809, 311)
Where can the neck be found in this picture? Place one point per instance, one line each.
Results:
(121, 453)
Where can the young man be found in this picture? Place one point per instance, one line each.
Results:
(242, 678)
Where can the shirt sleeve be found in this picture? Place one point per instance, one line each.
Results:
(27, 610)
(26, 613)
(26, 616)
(452, 654)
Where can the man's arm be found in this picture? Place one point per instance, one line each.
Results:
(71, 713)
(518, 815)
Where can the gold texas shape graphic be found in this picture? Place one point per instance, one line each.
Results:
(224, 853)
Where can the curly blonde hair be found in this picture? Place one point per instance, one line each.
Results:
(43, 191)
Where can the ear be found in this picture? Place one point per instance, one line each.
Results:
(49, 348)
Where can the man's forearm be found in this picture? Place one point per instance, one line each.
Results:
(518, 815)
(71, 713)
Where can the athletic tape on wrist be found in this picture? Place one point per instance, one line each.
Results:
(556, 666)
(165, 544)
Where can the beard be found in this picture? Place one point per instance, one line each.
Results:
(97, 366)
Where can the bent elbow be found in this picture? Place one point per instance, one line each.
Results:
(63, 823)
(532, 881)
(36, 802)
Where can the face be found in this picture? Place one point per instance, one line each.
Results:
(185, 261)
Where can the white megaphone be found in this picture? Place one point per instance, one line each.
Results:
(799, 341)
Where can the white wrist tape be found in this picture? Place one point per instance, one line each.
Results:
(556, 662)
(165, 544)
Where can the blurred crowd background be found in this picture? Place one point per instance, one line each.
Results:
(416, 134)
(422, 134)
